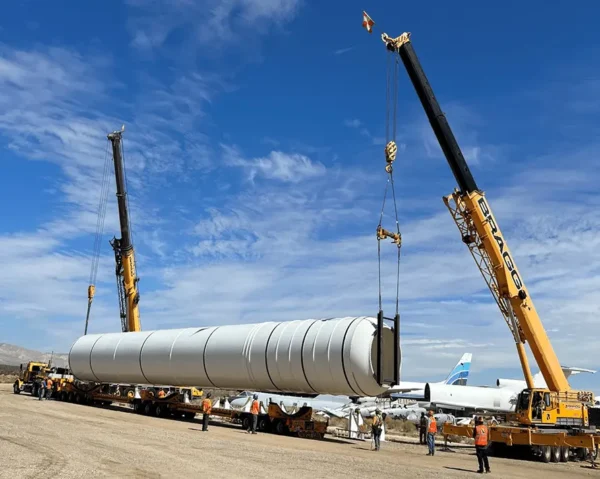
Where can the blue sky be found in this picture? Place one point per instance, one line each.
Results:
(254, 150)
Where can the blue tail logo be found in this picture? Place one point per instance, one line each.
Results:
(459, 375)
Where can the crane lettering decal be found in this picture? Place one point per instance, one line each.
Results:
(498, 237)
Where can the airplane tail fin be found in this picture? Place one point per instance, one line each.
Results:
(460, 373)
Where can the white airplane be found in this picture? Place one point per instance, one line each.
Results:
(481, 398)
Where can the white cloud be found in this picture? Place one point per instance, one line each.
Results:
(277, 165)
(341, 51)
(353, 123)
(218, 23)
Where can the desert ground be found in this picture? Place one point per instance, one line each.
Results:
(64, 440)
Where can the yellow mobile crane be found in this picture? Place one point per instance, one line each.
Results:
(127, 280)
(557, 405)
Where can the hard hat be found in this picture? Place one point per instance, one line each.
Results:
(255, 396)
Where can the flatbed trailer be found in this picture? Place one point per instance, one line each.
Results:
(179, 403)
(548, 444)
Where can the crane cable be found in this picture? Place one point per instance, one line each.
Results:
(390, 152)
(100, 219)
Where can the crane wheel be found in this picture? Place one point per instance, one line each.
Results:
(555, 454)
(546, 453)
(564, 454)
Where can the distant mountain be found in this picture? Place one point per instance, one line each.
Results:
(15, 355)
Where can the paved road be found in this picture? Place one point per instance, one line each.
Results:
(62, 440)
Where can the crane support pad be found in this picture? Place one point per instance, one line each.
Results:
(529, 436)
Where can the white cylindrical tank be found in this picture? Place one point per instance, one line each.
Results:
(331, 356)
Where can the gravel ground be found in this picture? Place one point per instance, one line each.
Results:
(62, 440)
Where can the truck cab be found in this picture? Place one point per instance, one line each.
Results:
(542, 407)
(30, 375)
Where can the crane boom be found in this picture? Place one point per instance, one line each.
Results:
(482, 234)
(124, 254)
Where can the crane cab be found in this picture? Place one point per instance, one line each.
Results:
(542, 407)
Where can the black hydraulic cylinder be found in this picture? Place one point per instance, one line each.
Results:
(115, 139)
(437, 119)
(379, 347)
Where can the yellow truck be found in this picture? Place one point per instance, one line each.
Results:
(29, 378)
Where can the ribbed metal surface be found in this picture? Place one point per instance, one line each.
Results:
(333, 356)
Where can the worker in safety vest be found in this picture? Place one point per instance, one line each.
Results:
(431, 432)
(480, 434)
(49, 384)
(377, 428)
(254, 409)
(423, 429)
(206, 410)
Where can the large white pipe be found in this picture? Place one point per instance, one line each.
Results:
(332, 356)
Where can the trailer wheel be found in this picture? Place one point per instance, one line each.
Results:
(263, 425)
(16, 388)
(555, 454)
(160, 410)
(189, 415)
(546, 453)
(246, 423)
(280, 427)
(564, 454)
(148, 409)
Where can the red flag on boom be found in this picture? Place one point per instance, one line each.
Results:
(368, 22)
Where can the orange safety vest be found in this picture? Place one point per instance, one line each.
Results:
(255, 407)
(432, 426)
(49, 383)
(481, 435)
(206, 406)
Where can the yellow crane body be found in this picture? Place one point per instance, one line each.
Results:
(556, 404)
(131, 292)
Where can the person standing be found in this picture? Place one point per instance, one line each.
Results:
(423, 429)
(254, 409)
(206, 410)
(480, 434)
(42, 389)
(49, 384)
(431, 432)
(377, 428)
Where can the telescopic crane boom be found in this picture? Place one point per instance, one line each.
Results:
(481, 233)
(127, 279)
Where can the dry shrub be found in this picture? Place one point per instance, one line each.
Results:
(397, 426)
